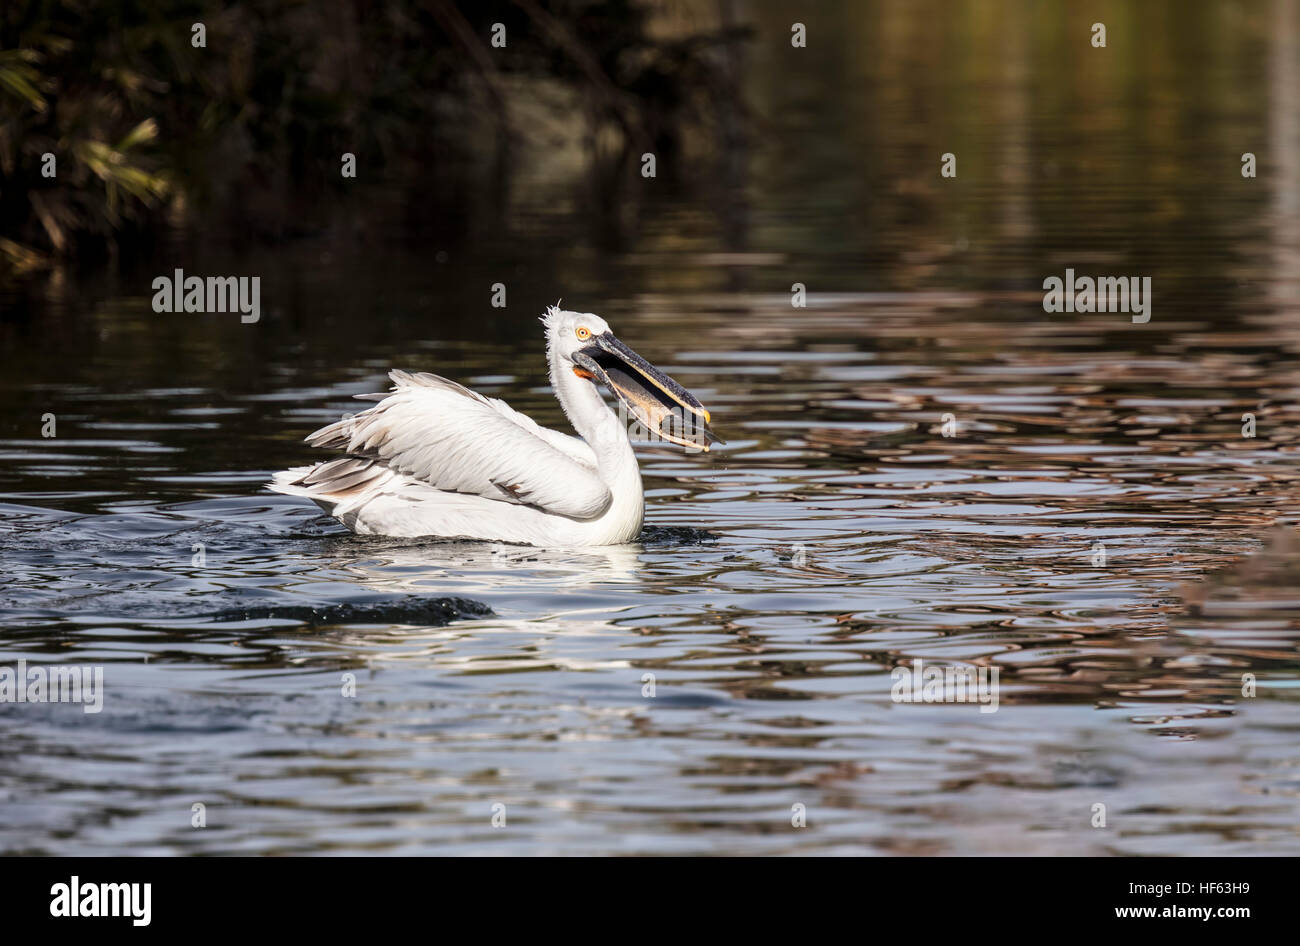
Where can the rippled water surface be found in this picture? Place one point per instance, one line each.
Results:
(837, 535)
(1096, 528)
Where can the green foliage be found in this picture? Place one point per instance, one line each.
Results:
(80, 99)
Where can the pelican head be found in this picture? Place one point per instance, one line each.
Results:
(583, 344)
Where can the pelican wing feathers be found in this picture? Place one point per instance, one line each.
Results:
(446, 436)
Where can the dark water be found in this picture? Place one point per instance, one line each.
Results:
(838, 534)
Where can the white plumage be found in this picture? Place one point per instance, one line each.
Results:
(435, 458)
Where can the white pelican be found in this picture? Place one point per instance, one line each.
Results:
(433, 458)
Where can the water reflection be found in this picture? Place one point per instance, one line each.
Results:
(921, 464)
(844, 534)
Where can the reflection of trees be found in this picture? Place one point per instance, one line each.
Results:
(249, 130)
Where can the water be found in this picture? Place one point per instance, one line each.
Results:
(780, 579)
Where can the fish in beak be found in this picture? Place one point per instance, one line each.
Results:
(659, 403)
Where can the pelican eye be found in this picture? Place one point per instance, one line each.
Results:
(583, 333)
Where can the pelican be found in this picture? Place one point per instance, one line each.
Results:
(434, 458)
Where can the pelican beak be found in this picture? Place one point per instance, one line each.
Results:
(660, 404)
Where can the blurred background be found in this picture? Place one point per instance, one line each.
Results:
(527, 158)
(839, 533)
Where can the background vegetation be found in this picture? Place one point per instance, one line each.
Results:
(150, 130)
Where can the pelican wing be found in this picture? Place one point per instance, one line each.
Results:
(451, 438)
